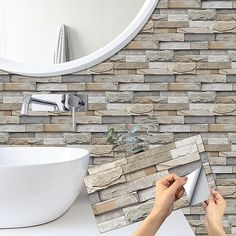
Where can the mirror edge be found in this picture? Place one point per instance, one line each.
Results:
(89, 60)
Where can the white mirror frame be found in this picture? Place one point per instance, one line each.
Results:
(90, 60)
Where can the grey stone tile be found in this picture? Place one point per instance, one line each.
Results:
(199, 37)
(231, 78)
(199, 120)
(185, 169)
(117, 120)
(159, 78)
(4, 78)
(76, 78)
(231, 160)
(34, 120)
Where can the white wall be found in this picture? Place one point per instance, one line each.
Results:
(32, 26)
(2, 28)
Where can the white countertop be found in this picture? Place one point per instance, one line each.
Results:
(79, 221)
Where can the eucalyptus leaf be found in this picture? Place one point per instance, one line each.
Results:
(130, 140)
(133, 141)
(111, 132)
(138, 149)
(111, 140)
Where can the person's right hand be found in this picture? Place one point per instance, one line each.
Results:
(215, 209)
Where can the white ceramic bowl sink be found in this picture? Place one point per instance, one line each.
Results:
(38, 184)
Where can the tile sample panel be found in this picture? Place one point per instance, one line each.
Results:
(122, 192)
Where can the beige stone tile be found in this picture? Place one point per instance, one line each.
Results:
(102, 180)
(115, 203)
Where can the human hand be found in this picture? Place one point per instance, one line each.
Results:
(215, 209)
(168, 190)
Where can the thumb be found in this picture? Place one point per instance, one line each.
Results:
(211, 199)
(178, 184)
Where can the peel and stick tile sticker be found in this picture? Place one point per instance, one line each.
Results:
(122, 192)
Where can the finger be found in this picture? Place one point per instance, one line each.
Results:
(218, 197)
(216, 194)
(180, 193)
(162, 185)
(211, 199)
(168, 180)
(172, 177)
(178, 184)
(204, 205)
(164, 182)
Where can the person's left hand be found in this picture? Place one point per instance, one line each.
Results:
(168, 190)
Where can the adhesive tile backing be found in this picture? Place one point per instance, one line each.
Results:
(122, 192)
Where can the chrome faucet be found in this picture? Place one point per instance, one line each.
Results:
(32, 100)
(54, 103)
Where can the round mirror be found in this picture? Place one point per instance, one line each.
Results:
(48, 38)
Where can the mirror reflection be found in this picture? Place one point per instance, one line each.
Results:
(47, 32)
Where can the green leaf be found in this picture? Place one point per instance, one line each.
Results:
(138, 149)
(111, 140)
(111, 132)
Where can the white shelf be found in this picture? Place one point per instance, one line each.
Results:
(80, 221)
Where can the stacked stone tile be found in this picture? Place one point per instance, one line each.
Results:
(123, 191)
(181, 66)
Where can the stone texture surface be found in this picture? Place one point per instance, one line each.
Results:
(129, 183)
(105, 179)
(196, 39)
(115, 203)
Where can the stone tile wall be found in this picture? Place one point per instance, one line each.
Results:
(181, 66)
(123, 191)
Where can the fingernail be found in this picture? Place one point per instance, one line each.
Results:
(185, 178)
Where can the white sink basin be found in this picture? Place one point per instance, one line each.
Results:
(39, 184)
